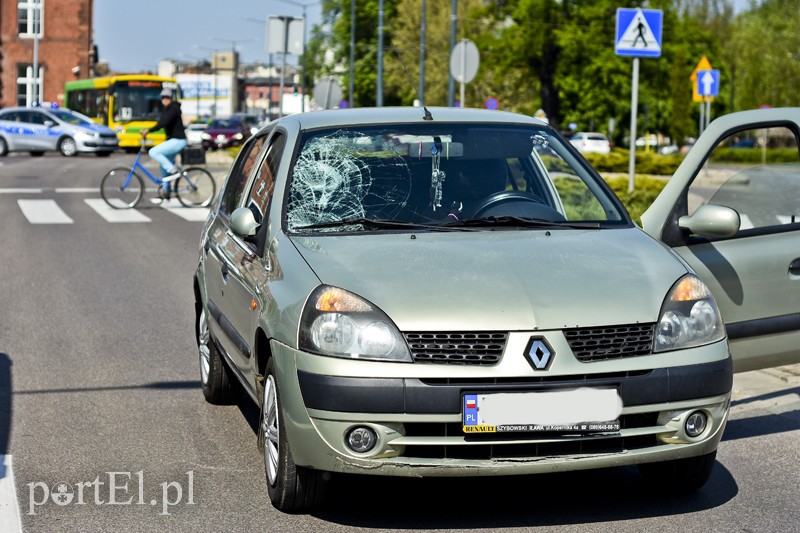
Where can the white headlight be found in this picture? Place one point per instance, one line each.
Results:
(689, 317)
(338, 323)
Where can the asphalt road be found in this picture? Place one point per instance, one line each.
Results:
(101, 410)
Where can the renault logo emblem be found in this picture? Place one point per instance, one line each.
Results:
(539, 353)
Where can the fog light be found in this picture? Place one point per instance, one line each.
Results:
(361, 439)
(696, 424)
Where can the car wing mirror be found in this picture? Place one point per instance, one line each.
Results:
(49, 123)
(712, 221)
(243, 222)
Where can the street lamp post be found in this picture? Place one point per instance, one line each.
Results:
(303, 81)
(214, 71)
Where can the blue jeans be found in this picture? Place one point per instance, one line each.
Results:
(164, 153)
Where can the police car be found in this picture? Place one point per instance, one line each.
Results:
(40, 129)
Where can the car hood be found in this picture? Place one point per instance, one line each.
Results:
(509, 280)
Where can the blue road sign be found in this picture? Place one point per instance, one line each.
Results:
(491, 103)
(639, 32)
(708, 82)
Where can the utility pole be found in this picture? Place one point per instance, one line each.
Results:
(351, 88)
(422, 31)
(451, 85)
(379, 95)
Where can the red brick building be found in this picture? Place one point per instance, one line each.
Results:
(63, 29)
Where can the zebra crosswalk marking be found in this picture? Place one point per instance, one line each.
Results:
(115, 215)
(43, 212)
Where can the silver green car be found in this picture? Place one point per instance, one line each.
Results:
(453, 292)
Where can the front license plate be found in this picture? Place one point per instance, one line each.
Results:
(582, 410)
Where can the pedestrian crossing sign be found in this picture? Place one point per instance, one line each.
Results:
(639, 32)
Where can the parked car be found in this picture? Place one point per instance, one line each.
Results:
(452, 292)
(224, 133)
(251, 121)
(590, 142)
(38, 130)
(194, 133)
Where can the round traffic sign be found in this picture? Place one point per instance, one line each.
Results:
(491, 103)
(464, 61)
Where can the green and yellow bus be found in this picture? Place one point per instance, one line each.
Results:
(126, 103)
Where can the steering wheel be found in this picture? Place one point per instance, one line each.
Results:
(489, 205)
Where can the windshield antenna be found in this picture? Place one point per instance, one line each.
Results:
(427, 115)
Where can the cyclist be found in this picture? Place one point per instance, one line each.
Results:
(171, 120)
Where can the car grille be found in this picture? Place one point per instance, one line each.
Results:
(611, 342)
(638, 431)
(477, 348)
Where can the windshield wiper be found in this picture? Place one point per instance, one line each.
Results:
(509, 221)
(374, 223)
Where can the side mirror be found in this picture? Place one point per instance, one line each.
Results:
(243, 222)
(712, 221)
(49, 123)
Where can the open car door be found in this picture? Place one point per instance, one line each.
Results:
(732, 211)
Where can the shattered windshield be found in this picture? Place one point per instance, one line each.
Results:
(437, 176)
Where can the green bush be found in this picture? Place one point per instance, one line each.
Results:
(646, 162)
(645, 190)
(754, 155)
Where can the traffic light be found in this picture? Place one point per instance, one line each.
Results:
(295, 89)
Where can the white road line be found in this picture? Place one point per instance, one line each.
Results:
(20, 191)
(192, 214)
(115, 215)
(10, 519)
(78, 189)
(43, 212)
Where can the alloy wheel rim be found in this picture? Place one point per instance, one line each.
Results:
(69, 147)
(271, 430)
(203, 347)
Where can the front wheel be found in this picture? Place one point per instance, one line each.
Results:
(291, 488)
(195, 187)
(68, 147)
(122, 188)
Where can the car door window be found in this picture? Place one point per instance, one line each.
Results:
(34, 117)
(264, 182)
(236, 183)
(756, 173)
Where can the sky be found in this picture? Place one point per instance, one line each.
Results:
(133, 36)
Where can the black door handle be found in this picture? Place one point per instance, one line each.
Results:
(794, 267)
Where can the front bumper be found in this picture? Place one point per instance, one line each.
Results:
(418, 419)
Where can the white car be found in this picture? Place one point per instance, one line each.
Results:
(194, 133)
(590, 142)
(39, 129)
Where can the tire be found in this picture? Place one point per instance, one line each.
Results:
(291, 488)
(215, 379)
(68, 147)
(680, 475)
(119, 191)
(195, 187)
(3, 147)
(37, 153)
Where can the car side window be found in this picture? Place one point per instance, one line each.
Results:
(34, 117)
(264, 182)
(240, 172)
(756, 173)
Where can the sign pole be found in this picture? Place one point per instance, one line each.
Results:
(702, 124)
(634, 106)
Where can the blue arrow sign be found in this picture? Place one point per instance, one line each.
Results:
(639, 32)
(708, 82)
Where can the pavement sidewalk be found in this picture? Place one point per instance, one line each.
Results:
(773, 390)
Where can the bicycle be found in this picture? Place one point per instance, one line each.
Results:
(123, 187)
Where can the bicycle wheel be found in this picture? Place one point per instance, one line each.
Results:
(195, 187)
(122, 188)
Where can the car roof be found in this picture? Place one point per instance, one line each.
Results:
(408, 115)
